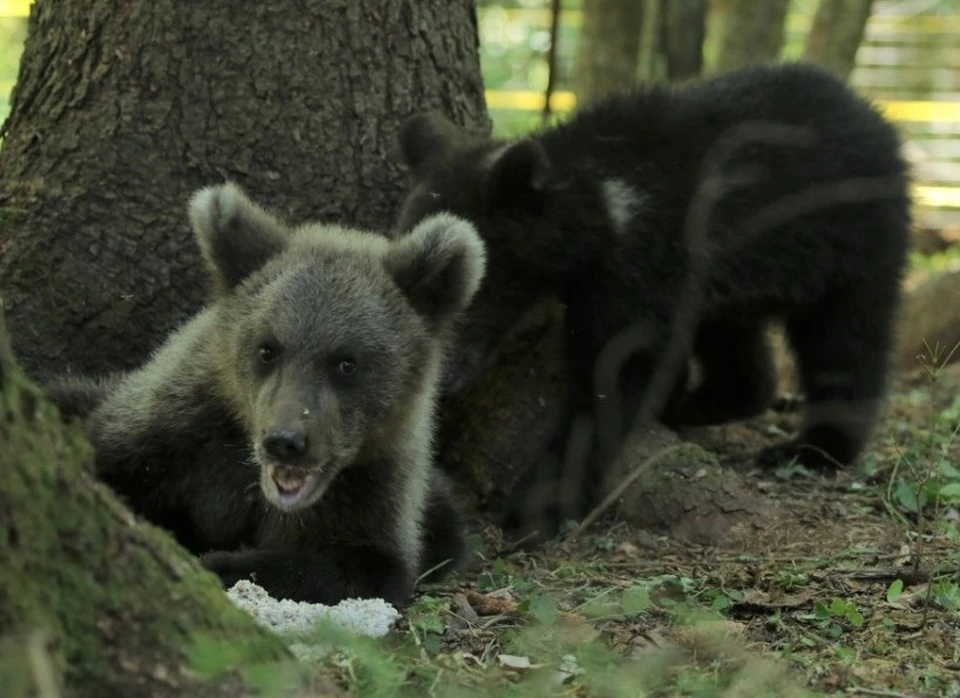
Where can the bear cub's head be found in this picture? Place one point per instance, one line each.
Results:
(328, 340)
(504, 189)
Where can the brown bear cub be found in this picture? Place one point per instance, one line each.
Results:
(798, 195)
(284, 433)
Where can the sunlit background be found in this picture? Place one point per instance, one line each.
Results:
(908, 61)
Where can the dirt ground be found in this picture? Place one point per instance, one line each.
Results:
(800, 580)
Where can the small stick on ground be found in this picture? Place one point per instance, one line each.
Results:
(908, 575)
(618, 491)
(878, 692)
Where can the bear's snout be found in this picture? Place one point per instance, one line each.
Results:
(285, 445)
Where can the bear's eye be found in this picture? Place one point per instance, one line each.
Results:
(266, 354)
(346, 367)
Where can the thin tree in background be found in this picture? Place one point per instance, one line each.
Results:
(684, 29)
(835, 36)
(649, 58)
(551, 59)
(750, 31)
(609, 47)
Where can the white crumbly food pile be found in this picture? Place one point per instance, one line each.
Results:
(294, 620)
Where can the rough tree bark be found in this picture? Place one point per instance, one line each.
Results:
(609, 47)
(836, 33)
(122, 108)
(91, 600)
(749, 31)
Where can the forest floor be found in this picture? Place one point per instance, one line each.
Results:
(846, 585)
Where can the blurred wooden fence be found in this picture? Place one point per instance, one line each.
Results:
(908, 63)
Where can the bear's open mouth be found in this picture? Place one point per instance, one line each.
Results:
(294, 486)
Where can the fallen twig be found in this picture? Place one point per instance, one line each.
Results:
(879, 692)
(908, 575)
(618, 491)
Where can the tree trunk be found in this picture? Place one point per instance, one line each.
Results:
(123, 108)
(835, 36)
(90, 599)
(609, 47)
(650, 64)
(750, 31)
(684, 29)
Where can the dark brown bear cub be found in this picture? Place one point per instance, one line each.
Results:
(801, 197)
(284, 432)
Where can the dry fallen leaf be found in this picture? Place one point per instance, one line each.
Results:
(761, 600)
(486, 605)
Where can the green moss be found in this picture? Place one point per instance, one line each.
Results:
(123, 601)
(10, 215)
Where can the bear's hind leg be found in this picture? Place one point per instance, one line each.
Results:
(739, 379)
(842, 347)
(569, 480)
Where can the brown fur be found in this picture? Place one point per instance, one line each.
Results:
(186, 439)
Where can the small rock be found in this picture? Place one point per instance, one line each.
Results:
(512, 661)
(567, 670)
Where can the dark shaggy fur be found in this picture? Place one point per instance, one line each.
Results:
(285, 432)
(810, 226)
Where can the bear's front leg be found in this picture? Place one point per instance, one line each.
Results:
(325, 576)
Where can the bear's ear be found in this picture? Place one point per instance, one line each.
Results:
(426, 137)
(439, 265)
(236, 236)
(516, 171)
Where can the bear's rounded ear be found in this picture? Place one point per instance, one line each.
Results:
(426, 137)
(439, 266)
(236, 237)
(515, 171)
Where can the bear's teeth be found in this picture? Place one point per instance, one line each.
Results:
(289, 484)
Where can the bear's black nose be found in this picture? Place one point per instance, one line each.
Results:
(285, 444)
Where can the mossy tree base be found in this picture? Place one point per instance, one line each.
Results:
(112, 603)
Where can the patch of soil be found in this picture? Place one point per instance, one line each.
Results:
(805, 559)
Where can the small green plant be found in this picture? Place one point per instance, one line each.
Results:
(790, 579)
(425, 618)
(923, 482)
(894, 590)
(543, 608)
(724, 600)
(946, 594)
(497, 577)
(837, 617)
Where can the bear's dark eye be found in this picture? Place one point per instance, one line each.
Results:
(346, 367)
(266, 354)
